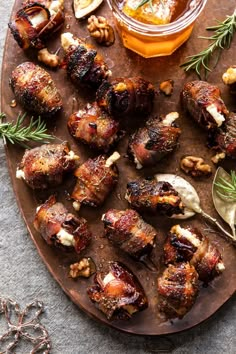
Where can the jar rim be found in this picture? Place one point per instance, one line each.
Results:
(181, 23)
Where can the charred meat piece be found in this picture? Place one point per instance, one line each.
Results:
(187, 244)
(95, 180)
(117, 292)
(203, 102)
(178, 289)
(60, 228)
(46, 165)
(151, 143)
(94, 127)
(35, 21)
(224, 139)
(155, 197)
(35, 90)
(128, 231)
(126, 96)
(82, 62)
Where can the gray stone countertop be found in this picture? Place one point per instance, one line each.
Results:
(24, 278)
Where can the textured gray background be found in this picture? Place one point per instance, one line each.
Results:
(23, 277)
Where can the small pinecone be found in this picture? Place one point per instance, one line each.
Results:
(100, 29)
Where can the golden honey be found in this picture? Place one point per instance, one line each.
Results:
(165, 32)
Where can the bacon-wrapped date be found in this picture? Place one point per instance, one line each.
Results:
(203, 102)
(82, 62)
(126, 96)
(117, 292)
(128, 231)
(46, 165)
(94, 127)
(35, 90)
(35, 21)
(151, 143)
(178, 288)
(95, 180)
(60, 228)
(148, 195)
(188, 244)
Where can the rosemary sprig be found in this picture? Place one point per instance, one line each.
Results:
(143, 2)
(221, 39)
(16, 133)
(227, 189)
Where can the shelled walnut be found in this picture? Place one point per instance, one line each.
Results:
(100, 29)
(229, 78)
(84, 268)
(49, 59)
(167, 87)
(195, 166)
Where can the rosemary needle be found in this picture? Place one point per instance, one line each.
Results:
(227, 188)
(221, 39)
(16, 133)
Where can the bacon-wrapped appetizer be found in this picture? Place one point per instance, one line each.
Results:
(94, 127)
(178, 289)
(35, 90)
(117, 292)
(95, 180)
(60, 228)
(126, 96)
(35, 21)
(187, 244)
(151, 143)
(128, 231)
(46, 165)
(203, 102)
(148, 195)
(82, 62)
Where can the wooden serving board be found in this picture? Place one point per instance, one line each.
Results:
(125, 63)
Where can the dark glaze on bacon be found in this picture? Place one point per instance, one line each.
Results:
(128, 231)
(196, 249)
(126, 96)
(197, 96)
(35, 90)
(94, 181)
(52, 220)
(82, 62)
(155, 197)
(35, 21)
(94, 127)
(46, 165)
(117, 292)
(154, 141)
(178, 289)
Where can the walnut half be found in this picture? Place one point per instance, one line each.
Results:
(84, 268)
(195, 166)
(100, 29)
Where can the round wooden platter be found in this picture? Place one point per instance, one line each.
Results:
(124, 63)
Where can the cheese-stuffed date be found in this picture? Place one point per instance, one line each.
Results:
(178, 288)
(129, 232)
(45, 166)
(188, 244)
(84, 66)
(151, 143)
(60, 228)
(148, 195)
(117, 292)
(35, 90)
(94, 127)
(203, 102)
(126, 96)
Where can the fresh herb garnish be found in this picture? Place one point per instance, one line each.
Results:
(143, 2)
(16, 133)
(221, 39)
(227, 189)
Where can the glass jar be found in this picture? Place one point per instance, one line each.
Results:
(155, 40)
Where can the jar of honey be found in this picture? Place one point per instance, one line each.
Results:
(155, 28)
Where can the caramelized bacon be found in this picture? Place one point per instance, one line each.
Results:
(60, 228)
(35, 90)
(178, 289)
(155, 197)
(189, 245)
(117, 292)
(128, 231)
